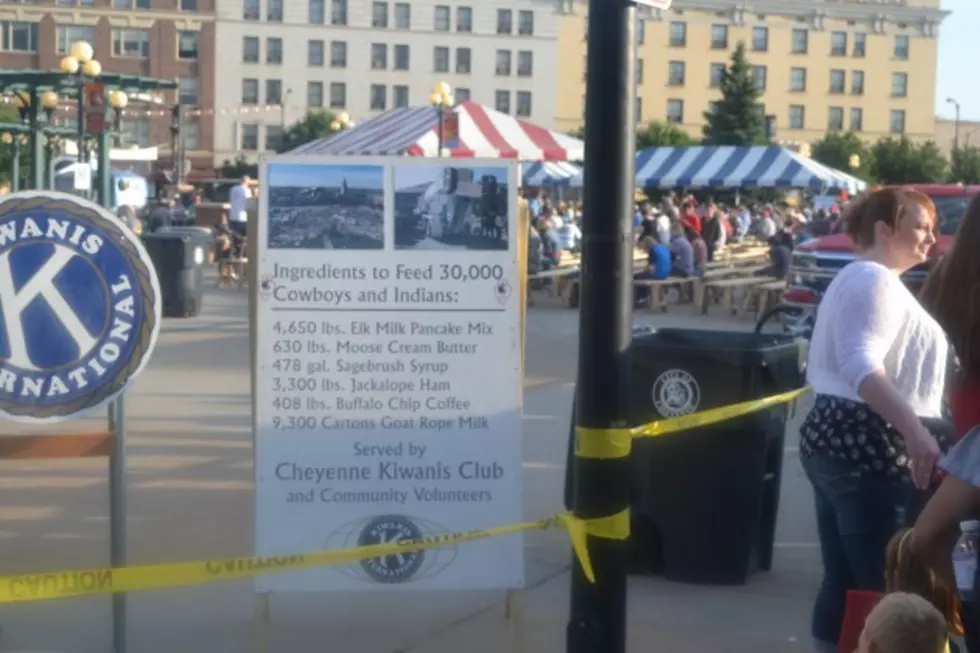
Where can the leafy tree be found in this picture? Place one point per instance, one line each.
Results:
(660, 134)
(738, 118)
(900, 161)
(965, 167)
(238, 168)
(313, 126)
(836, 149)
(577, 133)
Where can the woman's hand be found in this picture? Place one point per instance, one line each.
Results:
(923, 452)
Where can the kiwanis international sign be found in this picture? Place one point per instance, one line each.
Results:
(79, 306)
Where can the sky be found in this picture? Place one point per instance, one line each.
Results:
(327, 176)
(958, 60)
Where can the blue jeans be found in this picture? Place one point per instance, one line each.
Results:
(857, 514)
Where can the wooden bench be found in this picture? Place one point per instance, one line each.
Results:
(657, 290)
(725, 288)
(763, 296)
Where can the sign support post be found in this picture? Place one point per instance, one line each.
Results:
(597, 622)
(117, 517)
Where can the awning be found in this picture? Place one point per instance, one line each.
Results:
(552, 173)
(737, 167)
(483, 133)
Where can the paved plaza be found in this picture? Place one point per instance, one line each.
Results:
(190, 497)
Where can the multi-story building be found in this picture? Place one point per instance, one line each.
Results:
(949, 133)
(363, 57)
(169, 39)
(862, 65)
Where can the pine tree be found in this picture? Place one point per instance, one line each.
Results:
(738, 118)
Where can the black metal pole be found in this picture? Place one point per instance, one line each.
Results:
(81, 118)
(601, 485)
(439, 108)
(956, 130)
(15, 173)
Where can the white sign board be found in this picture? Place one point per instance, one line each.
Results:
(655, 4)
(82, 179)
(387, 404)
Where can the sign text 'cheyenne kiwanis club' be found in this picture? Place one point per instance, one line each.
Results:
(387, 404)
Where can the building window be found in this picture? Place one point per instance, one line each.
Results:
(338, 54)
(188, 5)
(717, 74)
(759, 76)
(501, 101)
(250, 137)
(273, 50)
(273, 91)
(901, 47)
(525, 63)
(639, 71)
(403, 15)
(461, 94)
(637, 110)
(250, 91)
(797, 116)
(678, 35)
(130, 42)
(857, 82)
(713, 107)
(505, 19)
(525, 23)
(136, 131)
(900, 85)
(187, 91)
(338, 12)
(273, 137)
(314, 95)
(440, 59)
(317, 12)
(338, 95)
(250, 9)
(675, 73)
(838, 44)
(402, 57)
(18, 39)
(675, 111)
(274, 11)
(464, 19)
(641, 32)
(187, 45)
(801, 39)
(250, 49)
(378, 99)
(190, 135)
(379, 56)
(896, 122)
(379, 14)
(116, 4)
(760, 38)
(524, 103)
(463, 56)
(835, 119)
(400, 96)
(314, 53)
(797, 80)
(719, 37)
(857, 119)
(503, 62)
(838, 81)
(860, 44)
(442, 14)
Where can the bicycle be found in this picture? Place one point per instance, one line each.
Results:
(788, 319)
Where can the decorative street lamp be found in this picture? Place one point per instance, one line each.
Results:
(15, 140)
(956, 125)
(81, 63)
(441, 98)
(118, 100)
(341, 122)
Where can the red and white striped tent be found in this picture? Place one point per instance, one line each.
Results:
(483, 132)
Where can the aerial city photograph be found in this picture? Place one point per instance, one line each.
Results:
(324, 206)
(451, 207)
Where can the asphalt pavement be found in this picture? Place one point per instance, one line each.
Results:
(190, 497)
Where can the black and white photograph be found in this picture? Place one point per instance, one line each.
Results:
(451, 207)
(326, 206)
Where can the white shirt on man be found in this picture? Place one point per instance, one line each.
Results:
(238, 199)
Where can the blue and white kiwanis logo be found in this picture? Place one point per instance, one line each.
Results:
(79, 306)
(390, 529)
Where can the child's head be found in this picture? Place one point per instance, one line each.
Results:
(904, 623)
(905, 571)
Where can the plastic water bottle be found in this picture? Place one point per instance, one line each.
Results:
(965, 557)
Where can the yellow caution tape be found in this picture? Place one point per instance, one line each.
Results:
(605, 444)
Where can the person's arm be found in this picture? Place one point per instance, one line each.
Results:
(870, 322)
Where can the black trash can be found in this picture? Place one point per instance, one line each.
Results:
(704, 501)
(179, 255)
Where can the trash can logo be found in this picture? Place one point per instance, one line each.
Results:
(79, 306)
(675, 393)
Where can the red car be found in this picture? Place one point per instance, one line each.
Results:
(815, 262)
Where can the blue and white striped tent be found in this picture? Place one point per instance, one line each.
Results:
(552, 173)
(737, 167)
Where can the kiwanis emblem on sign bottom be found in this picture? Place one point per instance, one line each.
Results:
(391, 529)
(79, 306)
